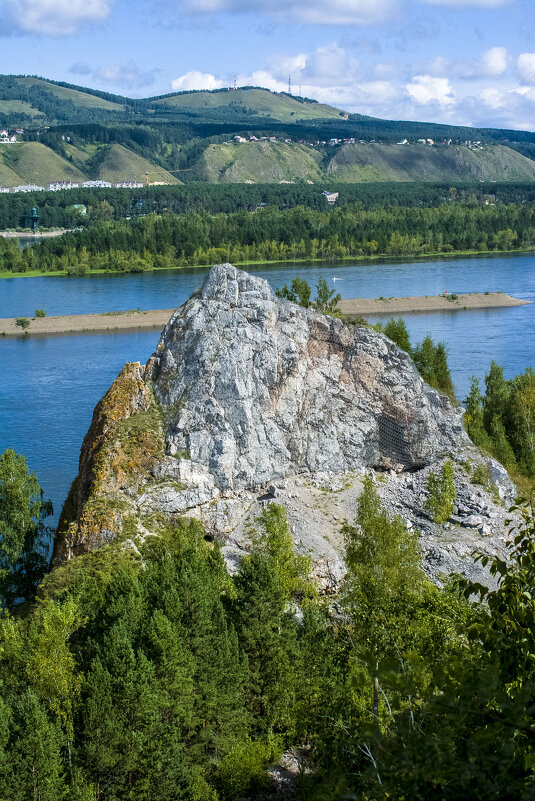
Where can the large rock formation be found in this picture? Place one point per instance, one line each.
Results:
(250, 396)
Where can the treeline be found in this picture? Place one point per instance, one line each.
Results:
(156, 675)
(272, 234)
(56, 208)
(502, 419)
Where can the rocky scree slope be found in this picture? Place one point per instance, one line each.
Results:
(248, 398)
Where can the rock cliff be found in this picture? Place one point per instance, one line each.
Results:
(250, 397)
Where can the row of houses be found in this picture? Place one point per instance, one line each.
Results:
(58, 186)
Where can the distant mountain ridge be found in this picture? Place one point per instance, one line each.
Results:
(247, 135)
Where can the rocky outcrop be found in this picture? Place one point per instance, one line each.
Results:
(250, 397)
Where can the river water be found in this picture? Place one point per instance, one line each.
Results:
(49, 386)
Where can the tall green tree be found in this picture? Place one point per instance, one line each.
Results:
(24, 539)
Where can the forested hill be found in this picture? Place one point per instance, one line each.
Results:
(248, 135)
(32, 102)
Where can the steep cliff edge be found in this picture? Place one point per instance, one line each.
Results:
(249, 397)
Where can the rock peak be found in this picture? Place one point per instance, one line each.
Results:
(226, 284)
(255, 388)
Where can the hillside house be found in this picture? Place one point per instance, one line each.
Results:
(28, 188)
(4, 190)
(57, 186)
(331, 197)
(128, 185)
(96, 185)
(403, 142)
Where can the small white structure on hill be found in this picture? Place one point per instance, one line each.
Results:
(332, 197)
(128, 185)
(96, 185)
(57, 186)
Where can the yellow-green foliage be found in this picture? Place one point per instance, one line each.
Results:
(275, 540)
(441, 493)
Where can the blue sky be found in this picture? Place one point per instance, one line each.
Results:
(465, 61)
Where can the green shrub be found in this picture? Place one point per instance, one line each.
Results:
(23, 322)
(441, 493)
(40, 313)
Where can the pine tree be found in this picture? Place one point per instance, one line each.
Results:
(396, 330)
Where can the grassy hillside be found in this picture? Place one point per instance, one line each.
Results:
(266, 162)
(34, 163)
(375, 162)
(78, 98)
(258, 162)
(121, 164)
(7, 176)
(259, 101)
(18, 107)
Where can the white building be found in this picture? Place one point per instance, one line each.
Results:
(57, 186)
(128, 185)
(4, 190)
(96, 185)
(28, 188)
(332, 197)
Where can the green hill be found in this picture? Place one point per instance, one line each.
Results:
(374, 162)
(258, 162)
(79, 97)
(121, 164)
(34, 163)
(258, 101)
(267, 162)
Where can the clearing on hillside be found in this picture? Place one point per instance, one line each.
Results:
(122, 164)
(374, 162)
(258, 162)
(37, 164)
(259, 101)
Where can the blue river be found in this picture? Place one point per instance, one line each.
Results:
(49, 386)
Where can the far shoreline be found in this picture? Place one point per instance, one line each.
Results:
(329, 263)
(349, 309)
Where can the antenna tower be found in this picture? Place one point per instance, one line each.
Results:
(289, 84)
(235, 79)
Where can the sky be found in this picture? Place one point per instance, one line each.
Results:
(470, 62)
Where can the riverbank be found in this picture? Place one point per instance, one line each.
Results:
(329, 263)
(157, 318)
(361, 307)
(83, 323)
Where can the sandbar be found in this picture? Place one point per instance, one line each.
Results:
(427, 303)
(80, 323)
(157, 318)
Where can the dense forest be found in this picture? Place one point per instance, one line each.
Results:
(196, 238)
(56, 209)
(154, 674)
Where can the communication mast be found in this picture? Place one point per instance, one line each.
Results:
(235, 79)
(289, 84)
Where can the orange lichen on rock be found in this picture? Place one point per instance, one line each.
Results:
(123, 442)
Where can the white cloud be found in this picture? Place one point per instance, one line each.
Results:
(314, 12)
(494, 61)
(490, 64)
(50, 17)
(427, 89)
(196, 80)
(526, 67)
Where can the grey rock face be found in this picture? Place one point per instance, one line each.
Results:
(255, 388)
(264, 401)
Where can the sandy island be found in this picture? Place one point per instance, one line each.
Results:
(427, 303)
(125, 320)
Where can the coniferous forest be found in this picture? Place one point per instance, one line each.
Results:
(269, 233)
(159, 676)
